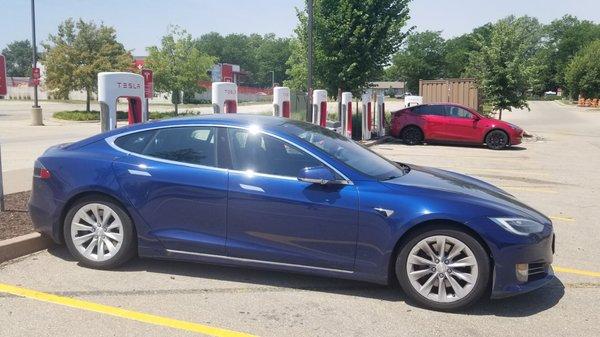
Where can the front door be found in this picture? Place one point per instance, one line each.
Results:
(461, 125)
(172, 178)
(273, 217)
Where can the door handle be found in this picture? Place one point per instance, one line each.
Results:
(139, 173)
(386, 213)
(252, 188)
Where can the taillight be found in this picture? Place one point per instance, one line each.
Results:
(39, 171)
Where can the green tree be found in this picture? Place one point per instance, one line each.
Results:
(582, 74)
(563, 37)
(77, 53)
(501, 65)
(353, 40)
(271, 56)
(458, 50)
(421, 58)
(18, 58)
(178, 65)
(257, 55)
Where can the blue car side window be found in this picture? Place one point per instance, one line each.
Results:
(262, 153)
(192, 145)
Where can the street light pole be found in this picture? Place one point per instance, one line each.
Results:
(36, 110)
(309, 82)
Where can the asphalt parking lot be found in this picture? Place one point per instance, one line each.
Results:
(555, 172)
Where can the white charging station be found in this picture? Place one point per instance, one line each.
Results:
(367, 115)
(224, 97)
(380, 115)
(281, 102)
(347, 114)
(319, 113)
(115, 85)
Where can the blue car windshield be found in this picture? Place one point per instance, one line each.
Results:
(347, 151)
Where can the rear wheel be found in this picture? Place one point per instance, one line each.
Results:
(412, 135)
(496, 140)
(99, 233)
(443, 269)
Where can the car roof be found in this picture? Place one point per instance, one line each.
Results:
(241, 120)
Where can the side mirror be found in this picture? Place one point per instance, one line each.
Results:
(317, 175)
(476, 118)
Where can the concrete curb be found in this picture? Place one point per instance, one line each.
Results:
(23, 245)
(385, 139)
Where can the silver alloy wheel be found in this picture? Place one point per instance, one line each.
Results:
(442, 268)
(97, 232)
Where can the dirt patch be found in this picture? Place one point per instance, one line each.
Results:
(15, 221)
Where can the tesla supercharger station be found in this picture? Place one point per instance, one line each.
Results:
(224, 97)
(380, 115)
(115, 85)
(367, 115)
(319, 115)
(281, 102)
(347, 114)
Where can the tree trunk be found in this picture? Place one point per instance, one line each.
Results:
(87, 100)
(500, 115)
(176, 109)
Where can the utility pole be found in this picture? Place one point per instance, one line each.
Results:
(36, 110)
(309, 82)
(272, 78)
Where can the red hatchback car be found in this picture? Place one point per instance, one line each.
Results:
(453, 123)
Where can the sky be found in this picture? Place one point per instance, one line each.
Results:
(141, 23)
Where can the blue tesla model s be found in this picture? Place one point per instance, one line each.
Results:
(276, 193)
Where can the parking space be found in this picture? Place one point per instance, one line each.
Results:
(555, 172)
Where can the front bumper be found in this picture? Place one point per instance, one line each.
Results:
(516, 138)
(508, 250)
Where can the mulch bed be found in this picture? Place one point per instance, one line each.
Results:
(15, 221)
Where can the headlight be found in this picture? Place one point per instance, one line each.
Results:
(519, 226)
(514, 127)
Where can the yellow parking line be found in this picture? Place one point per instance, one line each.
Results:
(561, 218)
(576, 271)
(118, 312)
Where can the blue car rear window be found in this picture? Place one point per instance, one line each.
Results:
(135, 142)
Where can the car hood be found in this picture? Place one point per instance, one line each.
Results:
(482, 193)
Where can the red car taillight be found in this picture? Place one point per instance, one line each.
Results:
(39, 171)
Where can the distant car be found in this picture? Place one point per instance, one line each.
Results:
(550, 93)
(453, 123)
(261, 191)
(403, 95)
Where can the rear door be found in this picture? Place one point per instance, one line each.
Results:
(173, 178)
(435, 121)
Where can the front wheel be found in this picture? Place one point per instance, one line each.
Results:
(99, 233)
(443, 269)
(497, 140)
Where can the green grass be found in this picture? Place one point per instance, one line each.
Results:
(83, 116)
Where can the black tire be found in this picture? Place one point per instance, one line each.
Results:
(497, 140)
(412, 135)
(128, 247)
(481, 287)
